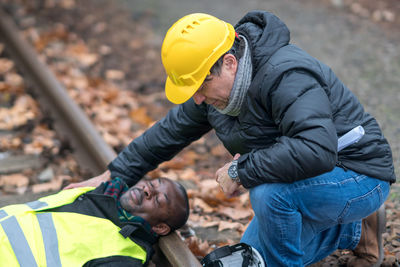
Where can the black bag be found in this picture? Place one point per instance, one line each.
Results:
(234, 256)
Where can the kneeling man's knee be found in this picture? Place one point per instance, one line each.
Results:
(267, 197)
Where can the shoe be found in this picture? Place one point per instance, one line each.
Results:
(369, 251)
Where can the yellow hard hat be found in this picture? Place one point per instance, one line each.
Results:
(190, 48)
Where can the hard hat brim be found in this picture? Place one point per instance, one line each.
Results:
(179, 94)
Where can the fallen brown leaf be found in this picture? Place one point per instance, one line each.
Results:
(208, 185)
(189, 174)
(5, 65)
(15, 180)
(210, 224)
(57, 33)
(223, 225)
(219, 150)
(110, 139)
(173, 175)
(54, 185)
(115, 75)
(236, 213)
(197, 202)
(199, 248)
(140, 116)
(154, 174)
(67, 4)
(178, 162)
(14, 79)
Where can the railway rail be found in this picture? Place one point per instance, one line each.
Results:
(70, 121)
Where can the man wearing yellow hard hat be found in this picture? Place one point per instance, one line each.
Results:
(280, 113)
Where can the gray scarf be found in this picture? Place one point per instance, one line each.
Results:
(241, 83)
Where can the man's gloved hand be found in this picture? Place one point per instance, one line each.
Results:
(228, 186)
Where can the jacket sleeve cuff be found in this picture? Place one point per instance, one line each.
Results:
(116, 173)
(242, 172)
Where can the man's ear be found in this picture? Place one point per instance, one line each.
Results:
(161, 229)
(230, 62)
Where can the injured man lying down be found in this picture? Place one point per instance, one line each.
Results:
(110, 225)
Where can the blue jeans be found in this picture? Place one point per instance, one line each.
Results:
(301, 223)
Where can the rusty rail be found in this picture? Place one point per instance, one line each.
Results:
(90, 148)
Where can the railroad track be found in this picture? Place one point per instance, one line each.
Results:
(89, 147)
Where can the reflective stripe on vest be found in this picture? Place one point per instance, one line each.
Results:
(50, 240)
(18, 242)
(35, 205)
(3, 214)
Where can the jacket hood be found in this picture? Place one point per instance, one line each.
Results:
(266, 33)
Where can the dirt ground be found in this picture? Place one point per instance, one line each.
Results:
(358, 38)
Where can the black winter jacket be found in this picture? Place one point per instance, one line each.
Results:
(289, 124)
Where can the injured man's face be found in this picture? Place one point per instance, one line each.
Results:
(162, 202)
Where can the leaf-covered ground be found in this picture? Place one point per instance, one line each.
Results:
(109, 61)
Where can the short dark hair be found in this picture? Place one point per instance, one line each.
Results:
(237, 50)
(181, 217)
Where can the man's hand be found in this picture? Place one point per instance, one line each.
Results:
(95, 181)
(228, 186)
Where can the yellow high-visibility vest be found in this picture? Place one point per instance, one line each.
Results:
(30, 236)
